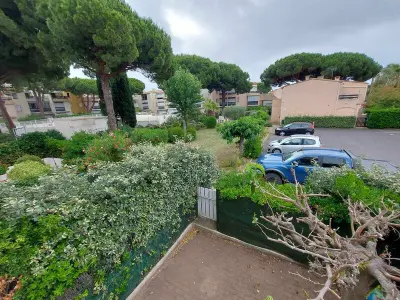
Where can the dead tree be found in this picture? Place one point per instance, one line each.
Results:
(338, 259)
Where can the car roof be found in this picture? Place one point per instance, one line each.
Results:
(305, 136)
(325, 152)
(300, 123)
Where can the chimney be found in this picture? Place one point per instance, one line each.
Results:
(307, 77)
(337, 78)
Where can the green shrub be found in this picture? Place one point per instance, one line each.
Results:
(29, 158)
(173, 121)
(155, 136)
(74, 148)
(252, 147)
(10, 152)
(324, 122)
(259, 114)
(191, 134)
(234, 112)
(55, 134)
(383, 118)
(71, 225)
(28, 172)
(5, 137)
(210, 121)
(175, 133)
(31, 118)
(110, 147)
(34, 143)
(3, 169)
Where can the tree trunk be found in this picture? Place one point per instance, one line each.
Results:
(105, 84)
(87, 105)
(223, 99)
(9, 122)
(241, 145)
(93, 102)
(184, 125)
(39, 101)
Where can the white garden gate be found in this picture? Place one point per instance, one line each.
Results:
(207, 203)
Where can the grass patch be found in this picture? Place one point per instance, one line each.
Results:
(227, 154)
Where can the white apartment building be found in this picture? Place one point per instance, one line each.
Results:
(154, 101)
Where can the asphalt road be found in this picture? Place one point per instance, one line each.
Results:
(369, 143)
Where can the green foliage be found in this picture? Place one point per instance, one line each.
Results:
(173, 121)
(74, 148)
(383, 118)
(10, 152)
(234, 112)
(384, 97)
(3, 169)
(262, 115)
(175, 133)
(29, 158)
(210, 106)
(389, 76)
(79, 86)
(262, 88)
(210, 121)
(324, 122)
(296, 67)
(183, 91)
(28, 172)
(5, 137)
(191, 134)
(245, 127)
(122, 99)
(252, 147)
(36, 143)
(110, 147)
(136, 86)
(152, 135)
(55, 134)
(70, 225)
(31, 118)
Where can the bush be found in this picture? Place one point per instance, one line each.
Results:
(191, 134)
(234, 112)
(73, 149)
(210, 121)
(35, 143)
(10, 152)
(173, 121)
(259, 114)
(252, 148)
(71, 225)
(383, 118)
(110, 147)
(324, 122)
(155, 136)
(3, 169)
(29, 158)
(31, 118)
(5, 137)
(175, 133)
(28, 172)
(55, 134)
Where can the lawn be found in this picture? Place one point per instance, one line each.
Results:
(227, 154)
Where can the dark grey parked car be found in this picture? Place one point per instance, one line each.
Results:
(295, 128)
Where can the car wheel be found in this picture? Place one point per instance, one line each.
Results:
(274, 178)
(281, 133)
(276, 151)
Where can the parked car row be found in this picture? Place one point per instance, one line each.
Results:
(302, 152)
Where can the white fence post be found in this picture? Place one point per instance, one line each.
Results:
(207, 203)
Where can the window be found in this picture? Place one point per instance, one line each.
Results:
(308, 161)
(33, 107)
(144, 96)
(231, 102)
(329, 162)
(46, 106)
(295, 141)
(267, 103)
(348, 96)
(305, 125)
(60, 107)
(309, 142)
(252, 100)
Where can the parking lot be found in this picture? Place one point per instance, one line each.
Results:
(374, 144)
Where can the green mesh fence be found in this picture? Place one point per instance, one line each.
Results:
(235, 217)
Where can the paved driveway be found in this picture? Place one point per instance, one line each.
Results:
(374, 144)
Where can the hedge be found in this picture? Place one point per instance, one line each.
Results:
(324, 122)
(153, 135)
(384, 118)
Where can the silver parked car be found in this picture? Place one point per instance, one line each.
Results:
(294, 143)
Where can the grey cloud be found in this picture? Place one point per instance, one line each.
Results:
(254, 33)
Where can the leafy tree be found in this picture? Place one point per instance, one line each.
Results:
(210, 106)
(106, 38)
(296, 67)
(123, 101)
(243, 128)
(384, 97)
(183, 91)
(136, 86)
(389, 76)
(80, 87)
(221, 77)
(262, 88)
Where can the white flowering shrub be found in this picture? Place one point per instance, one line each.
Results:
(88, 222)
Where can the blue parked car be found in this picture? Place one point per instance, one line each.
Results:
(278, 166)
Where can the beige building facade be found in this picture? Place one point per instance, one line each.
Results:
(318, 97)
(154, 101)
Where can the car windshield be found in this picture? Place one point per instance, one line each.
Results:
(286, 156)
(288, 125)
(284, 140)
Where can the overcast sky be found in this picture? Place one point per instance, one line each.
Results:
(255, 33)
